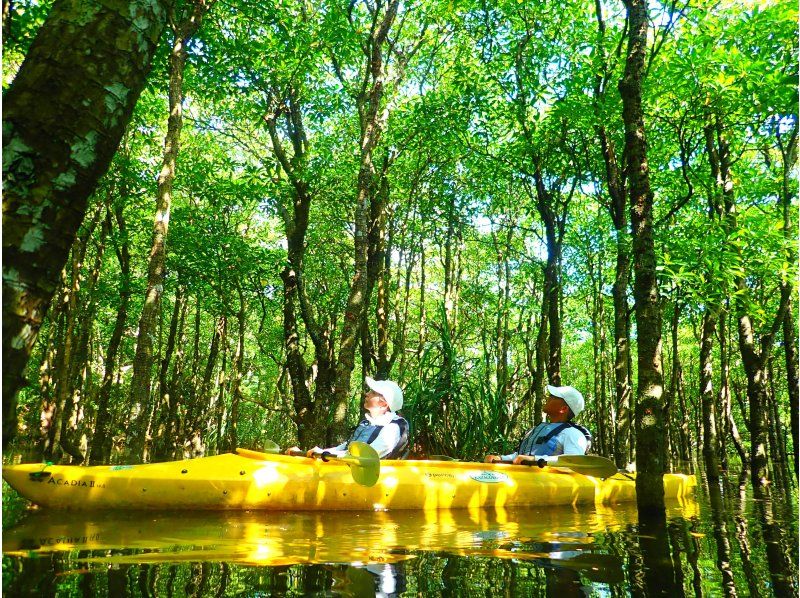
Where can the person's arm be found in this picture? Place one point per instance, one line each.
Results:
(499, 458)
(574, 442)
(339, 450)
(387, 439)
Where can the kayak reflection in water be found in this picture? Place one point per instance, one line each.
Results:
(381, 428)
(559, 436)
(382, 580)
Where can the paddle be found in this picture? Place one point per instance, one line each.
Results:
(363, 460)
(593, 465)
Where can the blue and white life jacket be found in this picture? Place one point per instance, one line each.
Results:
(367, 432)
(543, 439)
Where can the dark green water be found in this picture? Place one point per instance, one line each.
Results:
(741, 547)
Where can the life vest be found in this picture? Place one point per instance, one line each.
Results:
(543, 441)
(368, 432)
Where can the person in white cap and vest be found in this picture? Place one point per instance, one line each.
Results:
(382, 428)
(558, 436)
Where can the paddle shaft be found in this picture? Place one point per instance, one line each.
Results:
(592, 465)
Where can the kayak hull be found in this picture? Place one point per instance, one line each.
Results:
(279, 482)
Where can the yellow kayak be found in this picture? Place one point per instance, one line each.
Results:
(261, 481)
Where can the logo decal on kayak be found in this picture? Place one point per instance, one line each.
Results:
(489, 477)
(75, 483)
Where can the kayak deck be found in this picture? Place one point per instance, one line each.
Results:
(279, 482)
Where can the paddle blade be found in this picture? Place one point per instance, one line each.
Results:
(271, 447)
(364, 462)
(593, 465)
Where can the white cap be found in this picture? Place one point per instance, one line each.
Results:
(571, 397)
(390, 391)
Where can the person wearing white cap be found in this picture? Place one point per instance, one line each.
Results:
(381, 427)
(559, 436)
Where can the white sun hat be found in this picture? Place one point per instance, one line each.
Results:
(571, 397)
(390, 391)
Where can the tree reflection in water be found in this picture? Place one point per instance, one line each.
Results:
(556, 551)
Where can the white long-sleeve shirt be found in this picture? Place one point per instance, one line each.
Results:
(384, 443)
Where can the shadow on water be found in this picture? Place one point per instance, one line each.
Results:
(555, 551)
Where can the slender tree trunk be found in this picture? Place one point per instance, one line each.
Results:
(622, 355)
(73, 440)
(49, 373)
(232, 429)
(790, 353)
(216, 411)
(553, 290)
(707, 398)
(101, 439)
(615, 180)
(372, 118)
(177, 394)
(753, 357)
(788, 149)
(684, 434)
(307, 414)
(669, 402)
(598, 349)
(726, 427)
(649, 395)
(183, 31)
(194, 387)
(205, 402)
(780, 457)
(377, 275)
(541, 361)
(383, 368)
(65, 382)
(167, 400)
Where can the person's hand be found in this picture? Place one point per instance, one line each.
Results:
(492, 459)
(520, 459)
(293, 451)
(314, 451)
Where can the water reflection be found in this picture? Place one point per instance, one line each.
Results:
(554, 551)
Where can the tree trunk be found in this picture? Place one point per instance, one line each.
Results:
(231, 431)
(372, 119)
(753, 358)
(725, 429)
(615, 179)
(66, 361)
(381, 240)
(541, 361)
(166, 402)
(72, 440)
(789, 153)
(49, 372)
(63, 118)
(101, 438)
(673, 436)
(205, 403)
(707, 398)
(790, 353)
(183, 31)
(649, 394)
